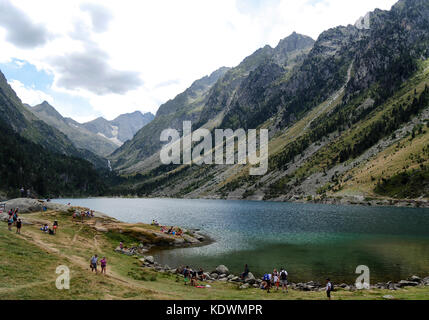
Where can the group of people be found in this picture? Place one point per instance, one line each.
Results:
(269, 280)
(25, 193)
(275, 279)
(45, 228)
(192, 276)
(172, 230)
(14, 220)
(94, 264)
(83, 214)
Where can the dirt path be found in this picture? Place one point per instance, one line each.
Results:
(75, 260)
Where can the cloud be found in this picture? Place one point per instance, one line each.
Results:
(90, 70)
(28, 95)
(100, 16)
(20, 30)
(128, 54)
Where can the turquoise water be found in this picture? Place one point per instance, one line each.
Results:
(311, 241)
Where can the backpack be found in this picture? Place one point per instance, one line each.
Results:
(266, 277)
(283, 275)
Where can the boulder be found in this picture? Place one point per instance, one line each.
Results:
(235, 279)
(426, 281)
(222, 276)
(415, 279)
(250, 278)
(25, 205)
(223, 279)
(214, 275)
(150, 259)
(221, 269)
(388, 297)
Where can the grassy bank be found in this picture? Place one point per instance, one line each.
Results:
(28, 264)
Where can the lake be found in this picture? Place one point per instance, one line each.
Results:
(311, 241)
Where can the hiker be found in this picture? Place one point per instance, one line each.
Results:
(18, 226)
(44, 228)
(276, 279)
(94, 261)
(121, 245)
(15, 217)
(283, 279)
(186, 273)
(9, 224)
(329, 288)
(22, 190)
(55, 226)
(74, 215)
(103, 263)
(246, 272)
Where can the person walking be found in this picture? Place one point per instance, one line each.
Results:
(9, 224)
(103, 263)
(94, 261)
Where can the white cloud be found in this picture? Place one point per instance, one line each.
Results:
(29, 95)
(165, 39)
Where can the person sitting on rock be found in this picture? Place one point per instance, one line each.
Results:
(201, 275)
(246, 272)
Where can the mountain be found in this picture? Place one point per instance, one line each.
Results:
(38, 156)
(25, 123)
(81, 138)
(185, 106)
(208, 99)
(347, 116)
(121, 129)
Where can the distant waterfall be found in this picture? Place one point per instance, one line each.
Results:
(109, 165)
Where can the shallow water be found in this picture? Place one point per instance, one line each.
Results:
(311, 241)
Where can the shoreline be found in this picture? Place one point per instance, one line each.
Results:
(339, 201)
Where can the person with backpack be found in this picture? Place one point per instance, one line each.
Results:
(9, 224)
(18, 226)
(283, 279)
(329, 288)
(267, 280)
